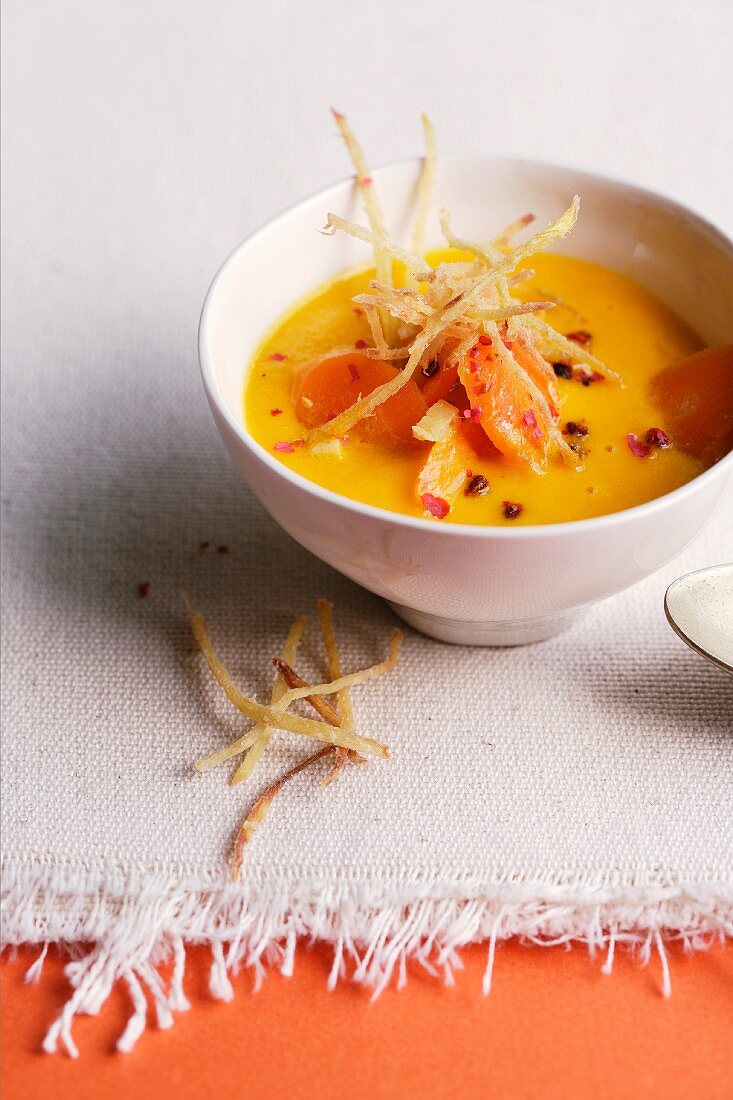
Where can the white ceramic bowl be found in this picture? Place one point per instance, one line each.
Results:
(459, 583)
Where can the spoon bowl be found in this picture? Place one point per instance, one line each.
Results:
(699, 608)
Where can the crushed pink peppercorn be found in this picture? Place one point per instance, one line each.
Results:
(655, 437)
(530, 420)
(284, 447)
(580, 337)
(354, 372)
(574, 428)
(512, 509)
(473, 414)
(278, 356)
(275, 412)
(477, 486)
(586, 377)
(563, 370)
(641, 450)
(436, 506)
(360, 344)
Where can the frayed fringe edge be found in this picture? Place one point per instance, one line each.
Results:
(373, 939)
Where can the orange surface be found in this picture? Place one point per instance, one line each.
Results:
(553, 1027)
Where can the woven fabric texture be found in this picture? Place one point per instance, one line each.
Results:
(594, 769)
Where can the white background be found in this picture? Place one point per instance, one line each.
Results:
(143, 140)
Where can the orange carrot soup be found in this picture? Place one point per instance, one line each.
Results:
(494, 383)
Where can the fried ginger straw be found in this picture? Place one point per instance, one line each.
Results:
(426, 185)
(453, 301)
(261, 809)
(372, 206)
(322, 705)
(425, 190)
(458, 308)
(343, 698)
(336, 729)
(282, 720)
(206, 763)
(305, 691)
(289, 653)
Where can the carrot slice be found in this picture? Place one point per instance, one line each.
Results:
(449, 462)
(502, 401)
(443, 474)
(438, 386)
(538, 369)
(696, 395)
(478, 443)
(332, 384)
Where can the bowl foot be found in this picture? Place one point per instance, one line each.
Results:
(507, 632)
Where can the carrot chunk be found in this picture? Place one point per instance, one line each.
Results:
(449, 463)
(331, 385)
(502, 402)
(438, 386)
(538, 369)
(696, 395)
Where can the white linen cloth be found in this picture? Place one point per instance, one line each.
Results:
(577, 788)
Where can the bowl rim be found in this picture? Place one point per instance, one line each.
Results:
(525, 531)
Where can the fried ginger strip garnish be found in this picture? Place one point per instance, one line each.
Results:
(343, 698)
(261, 809)
(372, 206)
(462, 295)
(336, 729)
(363, 676)
(269, 715)
(481, 291)
(295, 685)
(425, 191)
(263, 733)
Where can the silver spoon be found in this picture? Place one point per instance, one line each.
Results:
(699, 607)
